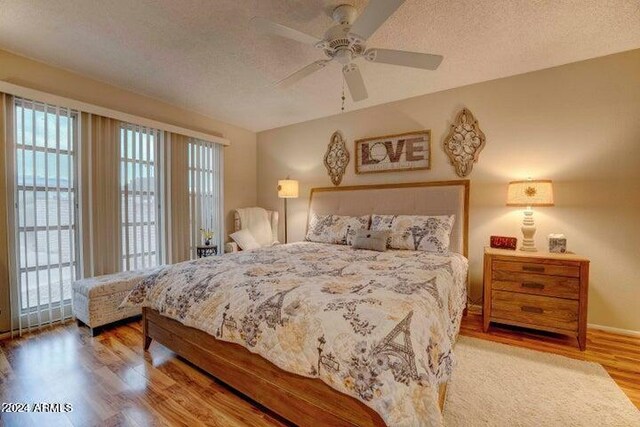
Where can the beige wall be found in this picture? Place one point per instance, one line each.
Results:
(577, 124)
(240, 157)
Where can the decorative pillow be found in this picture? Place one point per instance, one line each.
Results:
(415, 232)
(245, 240)
(335, 228)
(371, 240)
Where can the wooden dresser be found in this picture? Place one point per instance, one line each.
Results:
(537, 290)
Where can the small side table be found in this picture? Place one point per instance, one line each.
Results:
(205, 251)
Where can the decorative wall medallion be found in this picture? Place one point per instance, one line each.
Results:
(464, 142)
(336, 158)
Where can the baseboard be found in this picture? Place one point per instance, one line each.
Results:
(34, 329)
(474, 308)
(619, 331)
(477, 309)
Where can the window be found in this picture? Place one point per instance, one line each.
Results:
(140, 197)
(45, 209)
(117, 175)
(205, 192)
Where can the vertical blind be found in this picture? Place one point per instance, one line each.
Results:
(89, 197)
(100, 193)
(205, 192)
(140, 197)
(45, 211)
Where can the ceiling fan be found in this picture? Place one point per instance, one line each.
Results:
(346, 42)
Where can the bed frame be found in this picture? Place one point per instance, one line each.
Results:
(303, 401)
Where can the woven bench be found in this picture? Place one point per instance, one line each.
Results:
(96, 300)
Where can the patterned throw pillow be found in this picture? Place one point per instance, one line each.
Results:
(335, 228)
(415, 232)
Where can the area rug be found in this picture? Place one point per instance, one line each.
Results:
(500, 385)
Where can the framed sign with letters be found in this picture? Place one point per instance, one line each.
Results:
(393, 153)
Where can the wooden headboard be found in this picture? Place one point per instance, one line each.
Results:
(416, 198)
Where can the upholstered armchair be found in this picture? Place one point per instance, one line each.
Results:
(261, 223)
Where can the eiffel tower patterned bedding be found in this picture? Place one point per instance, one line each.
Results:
(379, 326)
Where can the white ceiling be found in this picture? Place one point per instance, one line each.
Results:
(203, 56)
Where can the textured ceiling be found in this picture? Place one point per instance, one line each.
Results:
(202, 55)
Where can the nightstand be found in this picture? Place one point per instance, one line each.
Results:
(537, 290)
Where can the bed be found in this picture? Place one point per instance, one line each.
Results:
(325, 334)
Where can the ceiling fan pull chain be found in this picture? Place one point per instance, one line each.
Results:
(343, 93)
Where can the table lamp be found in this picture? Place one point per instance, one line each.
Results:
(287, 189)
(528, 194)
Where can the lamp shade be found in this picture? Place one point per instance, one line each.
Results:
(287, 189)
(530, 193)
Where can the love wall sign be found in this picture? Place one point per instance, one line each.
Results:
(392, 153)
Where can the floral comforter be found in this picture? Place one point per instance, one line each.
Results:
(376, 326)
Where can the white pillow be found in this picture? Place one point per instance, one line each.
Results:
(245, 240)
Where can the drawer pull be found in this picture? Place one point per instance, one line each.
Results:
(535, 268)
(532, 285)
(530, 309)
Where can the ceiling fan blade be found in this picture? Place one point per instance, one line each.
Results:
(302, 73)
(356, 86)
(374, 15)
(402, 57)
(263, 25)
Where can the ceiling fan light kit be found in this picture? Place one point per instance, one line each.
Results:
(345, 43)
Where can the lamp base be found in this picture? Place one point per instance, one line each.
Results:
(525, 248)
(285, 221)
(528, 231)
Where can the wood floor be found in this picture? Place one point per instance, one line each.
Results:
(110, 381)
